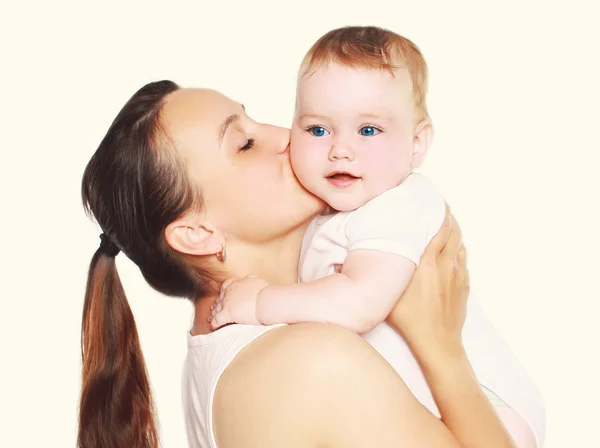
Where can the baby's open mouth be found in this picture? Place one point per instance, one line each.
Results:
(342, 176)
(342, 179)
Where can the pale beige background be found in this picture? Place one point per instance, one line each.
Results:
(514, 95)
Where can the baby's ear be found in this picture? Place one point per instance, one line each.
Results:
(422, 142)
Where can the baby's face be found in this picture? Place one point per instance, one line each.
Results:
(353, 133)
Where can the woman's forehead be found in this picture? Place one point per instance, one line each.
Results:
(196, 114)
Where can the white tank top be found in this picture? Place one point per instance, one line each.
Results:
(208, 356)
(494, 363)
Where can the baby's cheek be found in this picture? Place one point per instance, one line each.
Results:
(302, 159)
(379, 160)
(386, 167)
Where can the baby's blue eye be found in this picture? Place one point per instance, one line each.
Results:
(368, 131)
(318, 131)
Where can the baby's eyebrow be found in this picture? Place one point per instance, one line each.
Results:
(365, 116)
(312, 116)
(376, 116)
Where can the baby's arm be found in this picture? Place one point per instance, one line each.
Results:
(358, 298)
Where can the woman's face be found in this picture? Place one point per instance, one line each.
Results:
(242, 167)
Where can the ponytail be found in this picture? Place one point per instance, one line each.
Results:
(134, 186)
(116, 407)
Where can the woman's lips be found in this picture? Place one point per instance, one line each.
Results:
(342, 180)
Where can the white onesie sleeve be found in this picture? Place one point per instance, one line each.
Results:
(401, 221)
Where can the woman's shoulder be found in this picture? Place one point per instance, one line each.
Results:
(289, 377)
(294, 348)
(301, 346)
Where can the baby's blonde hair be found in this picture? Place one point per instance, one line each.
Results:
(373, 48)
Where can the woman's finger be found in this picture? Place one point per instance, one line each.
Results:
(462, 256)
(454, 243)
(462, 273)
(439, 241)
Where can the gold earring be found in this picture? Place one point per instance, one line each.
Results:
(222, 256)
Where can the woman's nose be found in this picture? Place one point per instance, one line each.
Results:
(279, 139)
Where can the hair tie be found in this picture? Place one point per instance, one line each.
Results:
(108, 246)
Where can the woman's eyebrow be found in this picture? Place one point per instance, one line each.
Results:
(225, 125)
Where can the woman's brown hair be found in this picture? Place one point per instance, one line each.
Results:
(134, 186)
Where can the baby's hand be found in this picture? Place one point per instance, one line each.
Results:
(237, 302)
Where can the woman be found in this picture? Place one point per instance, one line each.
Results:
(193, 191)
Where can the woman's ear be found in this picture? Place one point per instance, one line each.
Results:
(422, 142)
(190, 236)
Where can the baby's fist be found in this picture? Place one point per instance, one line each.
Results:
(237, 302)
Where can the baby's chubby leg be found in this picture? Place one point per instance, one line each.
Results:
(499, 370)
(518, 428)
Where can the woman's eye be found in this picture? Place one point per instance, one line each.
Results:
(318, 131)
(369, 131)
(249, 144)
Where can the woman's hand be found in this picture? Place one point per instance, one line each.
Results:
(430, 315)
(432, 311)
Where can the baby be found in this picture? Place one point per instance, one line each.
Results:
(360, 129)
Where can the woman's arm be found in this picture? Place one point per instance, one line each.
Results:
(430, 315)
(319, 385)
